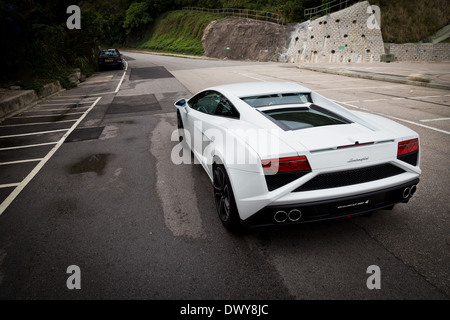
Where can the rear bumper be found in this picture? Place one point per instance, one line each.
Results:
(111, 64)
(332, 208)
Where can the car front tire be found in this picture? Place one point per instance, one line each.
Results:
(180, 126)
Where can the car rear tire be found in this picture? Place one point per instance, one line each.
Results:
(224, 199)
(180, 126)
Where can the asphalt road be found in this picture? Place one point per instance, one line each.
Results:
(98, 190)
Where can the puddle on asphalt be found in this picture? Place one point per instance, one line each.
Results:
(94, 163)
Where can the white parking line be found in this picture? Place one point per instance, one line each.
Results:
(28, 146)
(49, 115)
(62, 106)
(395, 118)
(9, 185)
(121, 80)
(19, 187)
(19, 161)
(359, 88)
(34, 123)
(438, 119)
(31, 133)
(67, 97)
(251, 77)
(398, 98)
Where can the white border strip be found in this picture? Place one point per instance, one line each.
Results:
(120, 82)
(5, 204)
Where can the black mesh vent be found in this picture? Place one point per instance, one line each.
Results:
(350, 177)
(410, 158)
(278, 180)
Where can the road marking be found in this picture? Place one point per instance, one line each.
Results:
(358, 88)
(5, 204)
(246, 75)
(58, 109)
(9, 185)
(398, 98)
(438, 119)
(19, 161)
(120, 83)
(48, 115)
(31, 133)
(28, 146)
(395, 118)
(35, 123)
(64, 98)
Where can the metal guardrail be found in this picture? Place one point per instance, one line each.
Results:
(243, 13)
(326, 8)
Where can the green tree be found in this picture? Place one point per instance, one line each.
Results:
(136, 15)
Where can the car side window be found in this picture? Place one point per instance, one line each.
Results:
(213, 103)
(226, 109)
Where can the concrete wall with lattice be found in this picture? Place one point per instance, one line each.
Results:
(420, 51)
(339, 37)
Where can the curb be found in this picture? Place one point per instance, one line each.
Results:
(383, 77)
(24, 99)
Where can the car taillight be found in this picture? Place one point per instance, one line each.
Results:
(408, 146)
(117, 58)
(291, 164)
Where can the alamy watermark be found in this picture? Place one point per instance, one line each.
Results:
(74, 280)
(74, 20)
(374, 21)
(234, 142)
(374, 280)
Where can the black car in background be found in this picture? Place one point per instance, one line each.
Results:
(110, 58)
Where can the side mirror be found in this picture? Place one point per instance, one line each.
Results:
(180, 103)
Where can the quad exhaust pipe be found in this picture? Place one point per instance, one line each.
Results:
(295, 215)
(282, 216)
(409, 192)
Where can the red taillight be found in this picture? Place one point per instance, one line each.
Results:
(117, 58)
(291, 164)
(407, 146)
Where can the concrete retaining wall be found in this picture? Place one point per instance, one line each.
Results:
(13, 101)
(420, 51)
(340, 37)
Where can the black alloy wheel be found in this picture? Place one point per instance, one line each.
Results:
(224, 199)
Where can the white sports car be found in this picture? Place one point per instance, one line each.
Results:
(278, 153)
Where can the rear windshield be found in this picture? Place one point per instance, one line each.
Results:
(302, 118)
(277, 99)
(108, 53)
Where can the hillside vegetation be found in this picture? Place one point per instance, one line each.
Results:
(176, 31)
(405, 21)
(179, 31)
(39, 27)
